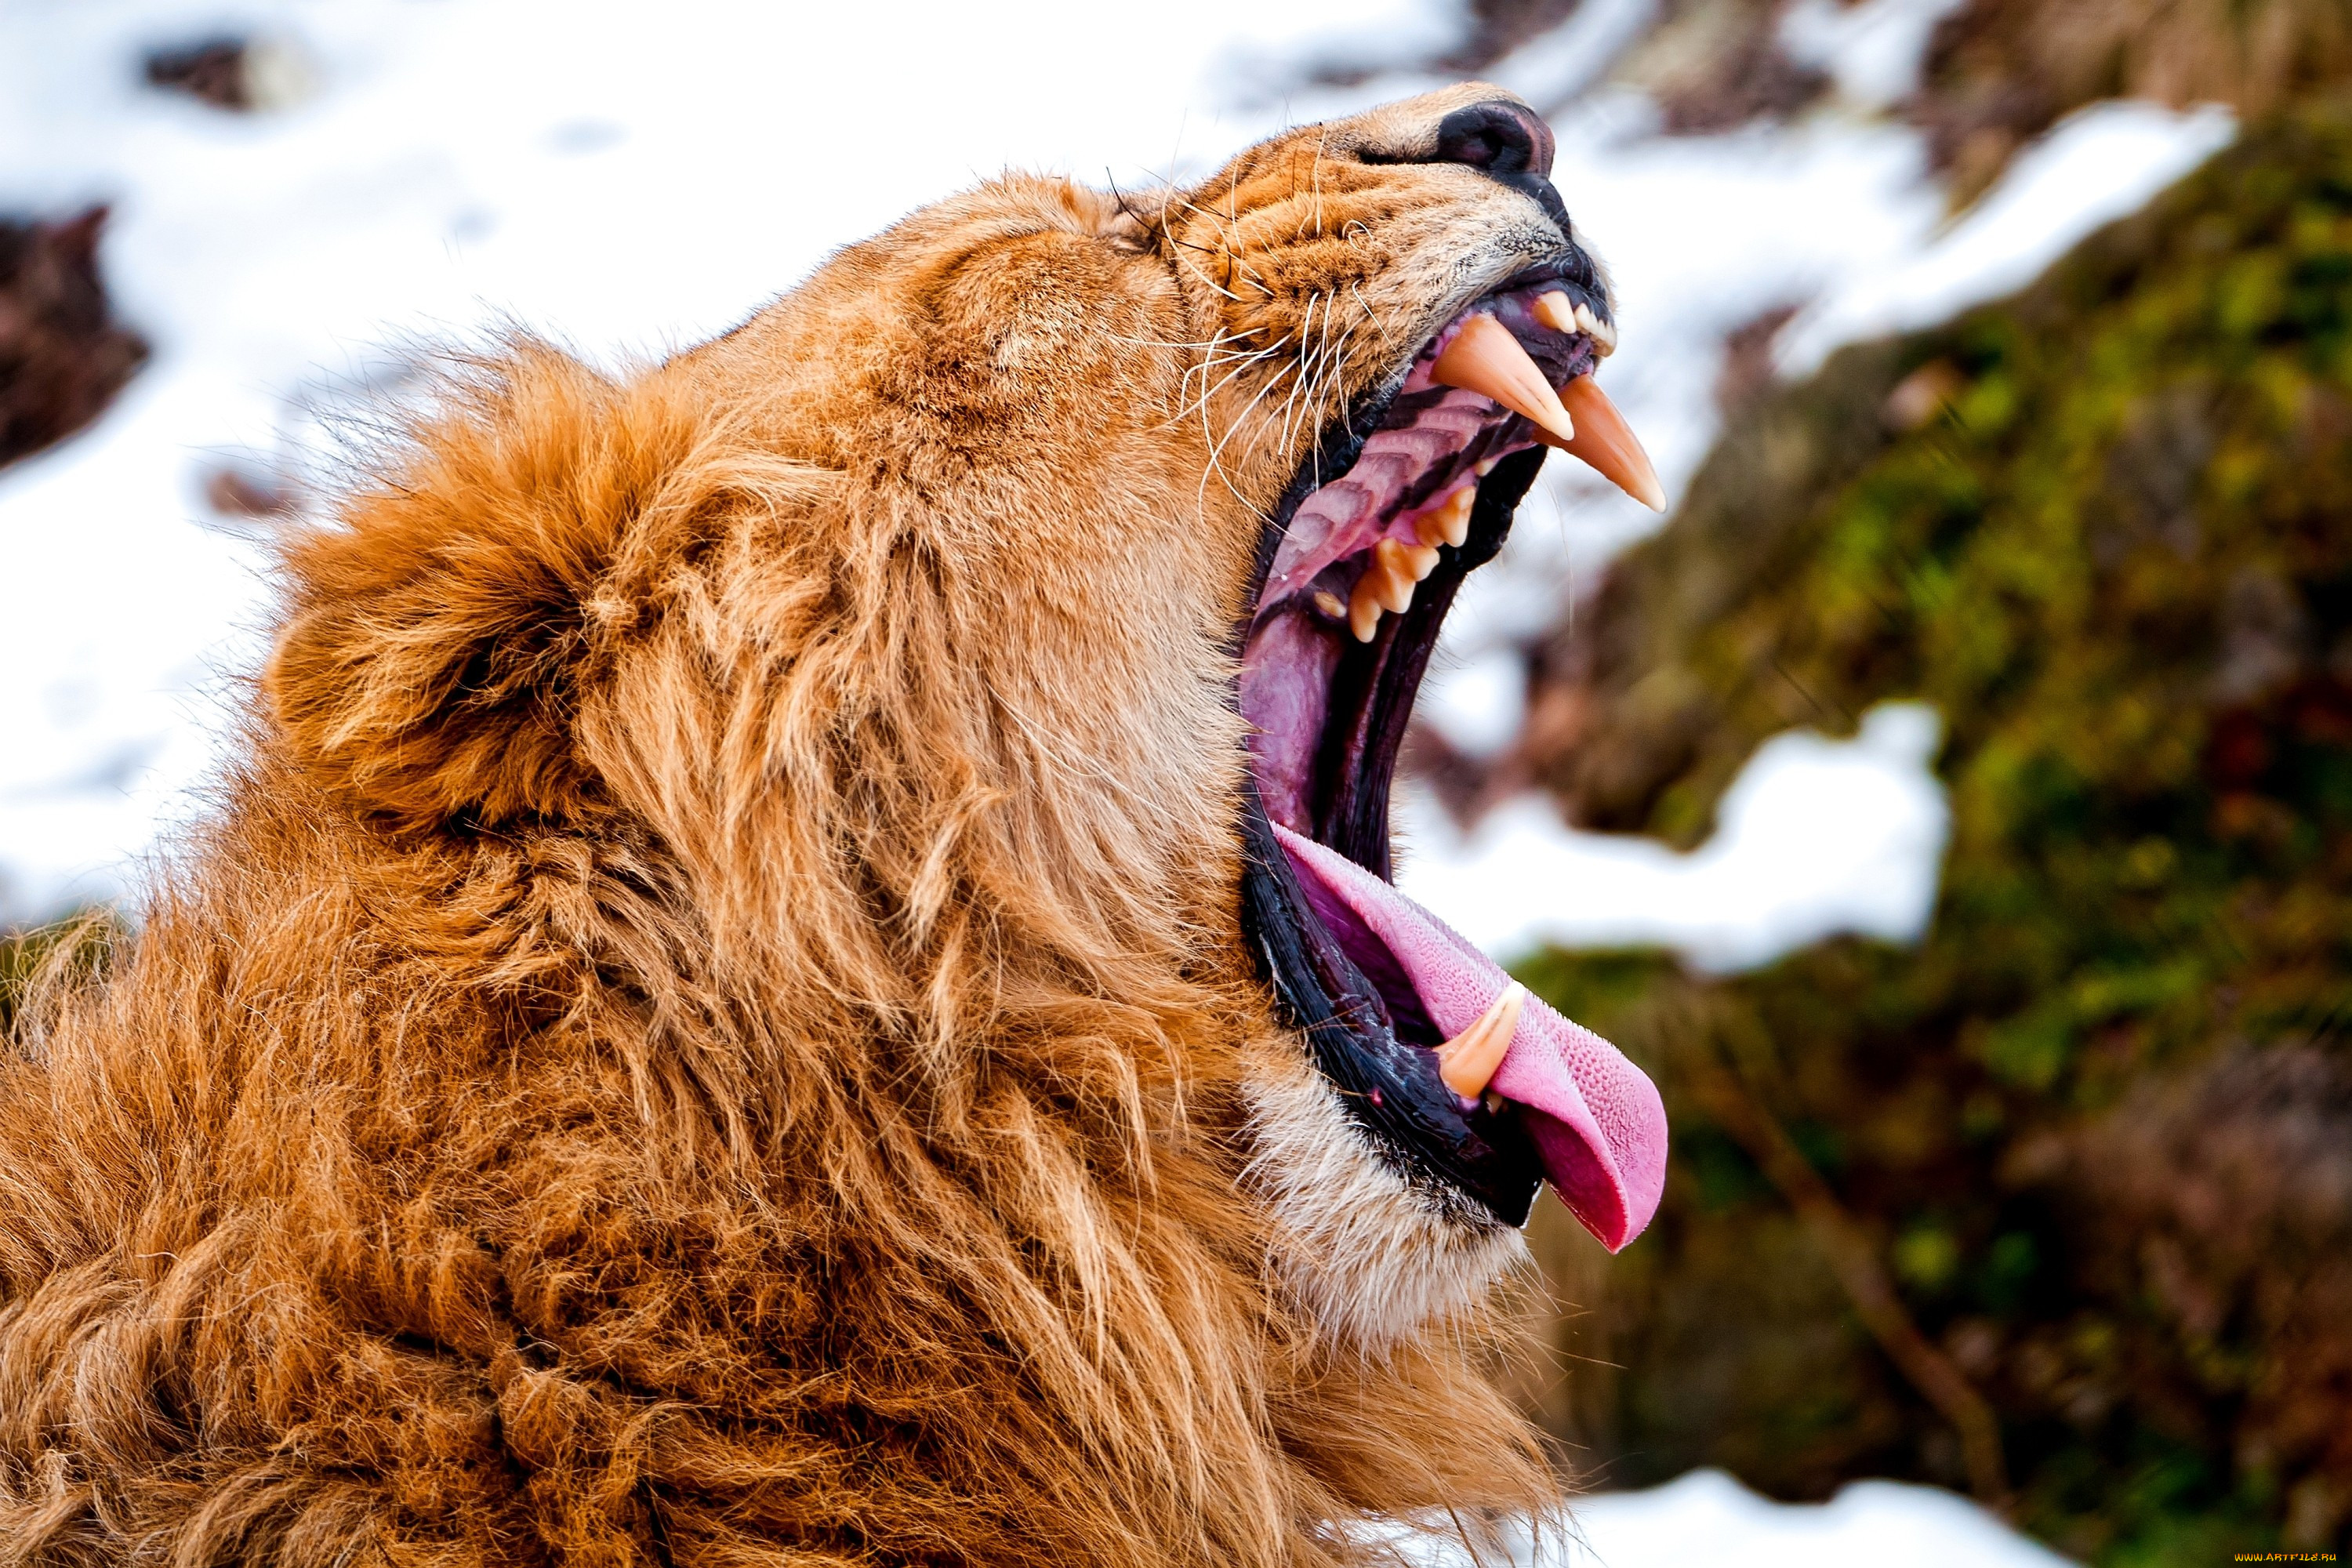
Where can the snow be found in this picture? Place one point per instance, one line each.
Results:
(1705, 1518)
(1550, 70)
(1872, 52)
(1815, 838)
(1476, 701)
(2095, 166)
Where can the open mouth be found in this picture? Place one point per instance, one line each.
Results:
(1465, 1083)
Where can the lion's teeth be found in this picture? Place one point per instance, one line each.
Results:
(1603, 335)
(1447, 524)
(1391, 576)
(1468, 1060)
(1604, 440)
(1555, 310)
(1456, 515)
(1485, 358)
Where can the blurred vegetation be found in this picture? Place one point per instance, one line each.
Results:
(78, 943)
(2057, 1206)
(2000, 72)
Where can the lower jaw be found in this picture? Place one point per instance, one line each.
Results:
(1387, 1086)
(1371, 1042)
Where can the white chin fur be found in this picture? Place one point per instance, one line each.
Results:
(1372, 1254)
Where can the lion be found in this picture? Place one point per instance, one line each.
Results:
(797, 965)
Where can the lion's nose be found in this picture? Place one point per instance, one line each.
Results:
(1502, 137)
(1508, 142)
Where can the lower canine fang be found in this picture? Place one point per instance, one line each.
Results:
(1468, 1062)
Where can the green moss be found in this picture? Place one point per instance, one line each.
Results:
(25, 954)
(2118, 560)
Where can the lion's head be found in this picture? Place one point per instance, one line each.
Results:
(934, 743)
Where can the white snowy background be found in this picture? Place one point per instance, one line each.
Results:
(629, 178)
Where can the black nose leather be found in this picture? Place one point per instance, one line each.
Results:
(1509, 143)
(1498, 136)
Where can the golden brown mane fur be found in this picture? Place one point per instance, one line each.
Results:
(708, 1025)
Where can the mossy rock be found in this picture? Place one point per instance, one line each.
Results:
(2096, 1129)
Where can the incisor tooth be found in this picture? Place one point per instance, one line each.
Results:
(1391, 576)
(1329, 602)
(1555, 310)
(1603, 335)
(1604, 440)
(1485, 358)
(1468, 1060)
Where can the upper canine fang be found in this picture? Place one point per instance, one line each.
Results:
(1485, 358)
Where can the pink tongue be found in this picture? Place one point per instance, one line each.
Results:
(1596, 1122)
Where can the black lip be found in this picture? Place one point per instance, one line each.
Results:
(1382, 1064)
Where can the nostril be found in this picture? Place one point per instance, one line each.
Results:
(1499, 136)
(1504, 139)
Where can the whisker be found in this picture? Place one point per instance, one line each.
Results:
(1242, 363)
(1210, 282)
(1371, 315)
(1217, 448)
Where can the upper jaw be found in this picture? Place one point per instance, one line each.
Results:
(1331, 452)
(1568, 270)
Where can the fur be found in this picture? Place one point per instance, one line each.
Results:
(708, 1024)
(1372, 1252)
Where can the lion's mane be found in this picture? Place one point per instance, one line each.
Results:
(706, 1025)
